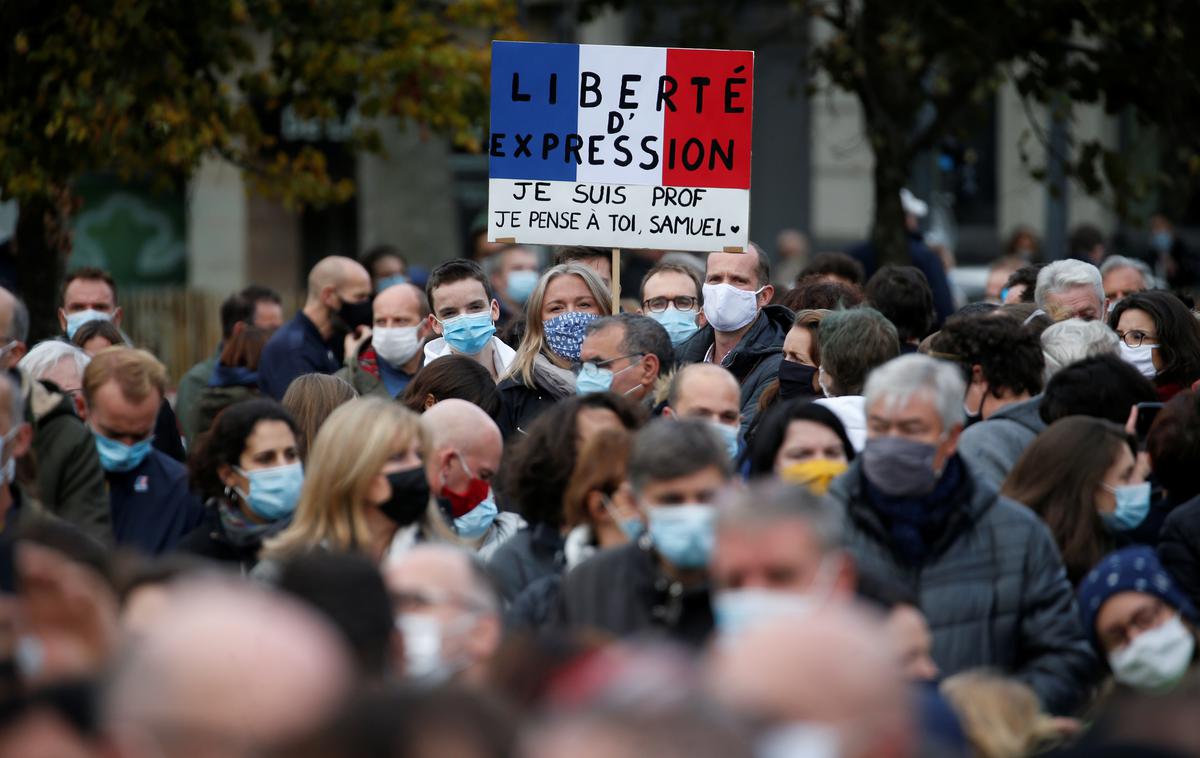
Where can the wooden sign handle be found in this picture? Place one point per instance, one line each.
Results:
(616, 280)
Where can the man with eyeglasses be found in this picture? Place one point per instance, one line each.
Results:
(671, 296)
(447, 612)
(624, 354)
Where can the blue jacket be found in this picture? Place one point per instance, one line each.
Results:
(296, 349)
(923, 258)
(152, 508)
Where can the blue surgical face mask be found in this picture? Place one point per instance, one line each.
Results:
(79, 318)
(390, 281)
(632, 527)
(116, 456)
(274, 492)
(564, 333)
(680, 325)
(469, 333)
(474, 523)
(684, 534)
(1133, 504)
(521, 284)
(592, 378)
(729, 435)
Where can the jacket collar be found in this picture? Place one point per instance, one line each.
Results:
(975, 496)
(765, 336)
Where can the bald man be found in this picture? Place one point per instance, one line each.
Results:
(447, 611)
(224, 669)
(382, 359)
(708, 392)
(466, 450)
(834, 671)
(313, 342)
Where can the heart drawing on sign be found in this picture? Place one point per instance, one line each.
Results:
(734, 229)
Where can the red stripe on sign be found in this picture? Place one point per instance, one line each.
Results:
(706, 138)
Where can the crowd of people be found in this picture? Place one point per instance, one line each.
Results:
(497, 515)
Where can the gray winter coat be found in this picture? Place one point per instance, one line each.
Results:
(994, 590)
(992, 447)
(754, 361)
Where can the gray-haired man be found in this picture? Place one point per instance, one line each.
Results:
(986, 570)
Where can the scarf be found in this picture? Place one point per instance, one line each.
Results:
(559, 382)
(241, 531)
(915, 524)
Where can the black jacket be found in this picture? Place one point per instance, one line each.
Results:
(520, 405)
(994, 589)
(754, 361)
(533, 553)
(1179, 547)
(622, 591)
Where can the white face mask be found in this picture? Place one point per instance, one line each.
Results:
(1141, 358)
(422, 647)
(728, 308)
(1156, 658)
(396, 345)
(806, 739)
(737, 610)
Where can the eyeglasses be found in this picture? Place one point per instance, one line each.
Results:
(610, 361)
(1135, 337)
(681, 303)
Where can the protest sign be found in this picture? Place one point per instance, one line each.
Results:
(620, 147)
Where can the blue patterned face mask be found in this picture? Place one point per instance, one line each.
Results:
(564, 333)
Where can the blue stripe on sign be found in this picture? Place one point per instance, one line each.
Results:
(534, 63)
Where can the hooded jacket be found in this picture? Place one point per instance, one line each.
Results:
(754, 361)
(992, 447)
(69, 478)
(993, 589)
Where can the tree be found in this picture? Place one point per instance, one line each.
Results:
(148, 89)
(924, 71)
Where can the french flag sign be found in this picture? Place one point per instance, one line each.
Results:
(624, 147)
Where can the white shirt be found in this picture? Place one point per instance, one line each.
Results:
(502, 354)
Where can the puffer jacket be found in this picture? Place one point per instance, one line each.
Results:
(993, 589)
(1179, 547)
(992, 447)
(754, 361)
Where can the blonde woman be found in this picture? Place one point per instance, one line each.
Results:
(365, 480)
(566, 298)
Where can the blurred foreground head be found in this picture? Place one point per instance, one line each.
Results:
(226, 670)
(826, 684)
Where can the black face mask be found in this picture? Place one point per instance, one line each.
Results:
(409, 498)
(796, 380)
(354, 315)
